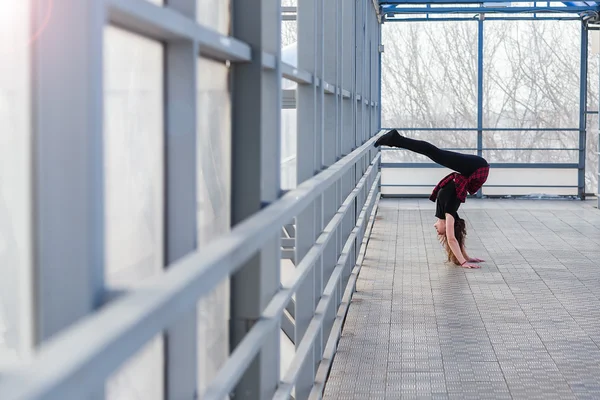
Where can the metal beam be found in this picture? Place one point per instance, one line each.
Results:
(499, 148)
(487, 18)
(256, 161)
(492, 165)
(287, 326)
(486, 10)
(161, 23)
(69, 171)
(385, 5)
(308, 162)
(488, 129)
(480, 72)
(582, 111)
(181, 230)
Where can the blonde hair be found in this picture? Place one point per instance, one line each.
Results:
(460, 232)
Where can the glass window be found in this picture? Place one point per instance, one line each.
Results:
(15, 180)
(429, 75)
(288, 149)
(215, 15)
(134, 192)
(214, 208)
(531, 74)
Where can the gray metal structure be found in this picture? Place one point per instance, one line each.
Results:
(80, 331)
(405, 11)
(83, 333)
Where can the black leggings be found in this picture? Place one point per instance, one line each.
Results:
(465, 164)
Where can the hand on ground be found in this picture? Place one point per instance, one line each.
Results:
(476, 260)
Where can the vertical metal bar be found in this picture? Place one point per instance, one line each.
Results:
(372, 58)
(358, 71)
(598, 126)
(364, 82)
(379, 72)
(380, 50)
(368, 69)
(374, 77)
(373, 71)
(308, 162)
(330, 155)
(338, 77)
(331, 197)
(69, 181)
(320, 72)
(255, 182)
(353, 34)
(364, 111)
(181, 204)
(480, 91)
(343, 106)
(359, 95)
(321, 150)
(582, 112)
(348, 125)
(321, 207)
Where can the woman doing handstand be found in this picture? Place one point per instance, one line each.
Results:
(471, 173)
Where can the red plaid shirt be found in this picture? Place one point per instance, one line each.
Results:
(463, 184)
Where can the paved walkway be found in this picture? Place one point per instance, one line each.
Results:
(525, 326)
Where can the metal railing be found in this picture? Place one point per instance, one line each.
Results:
(80, 359)
(80, 327)
(578, 165)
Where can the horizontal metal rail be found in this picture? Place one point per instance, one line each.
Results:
(491, 186)
(297, 75)
(81, 358)
(241, 358)
(336, 329)
(161, 23)
(497, 148)
(439, 3)
(303, 352)
(477, 10)
(476, 18)
(492, 165)
(481, 149)
(487, 129)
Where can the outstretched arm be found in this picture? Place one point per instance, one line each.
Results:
(454, 245)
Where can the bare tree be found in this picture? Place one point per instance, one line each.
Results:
(531, 80)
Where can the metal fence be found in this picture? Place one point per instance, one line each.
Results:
(428, 11)
(81, 338)
(545, 180)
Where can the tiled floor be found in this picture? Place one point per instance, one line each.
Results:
(524, 326)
